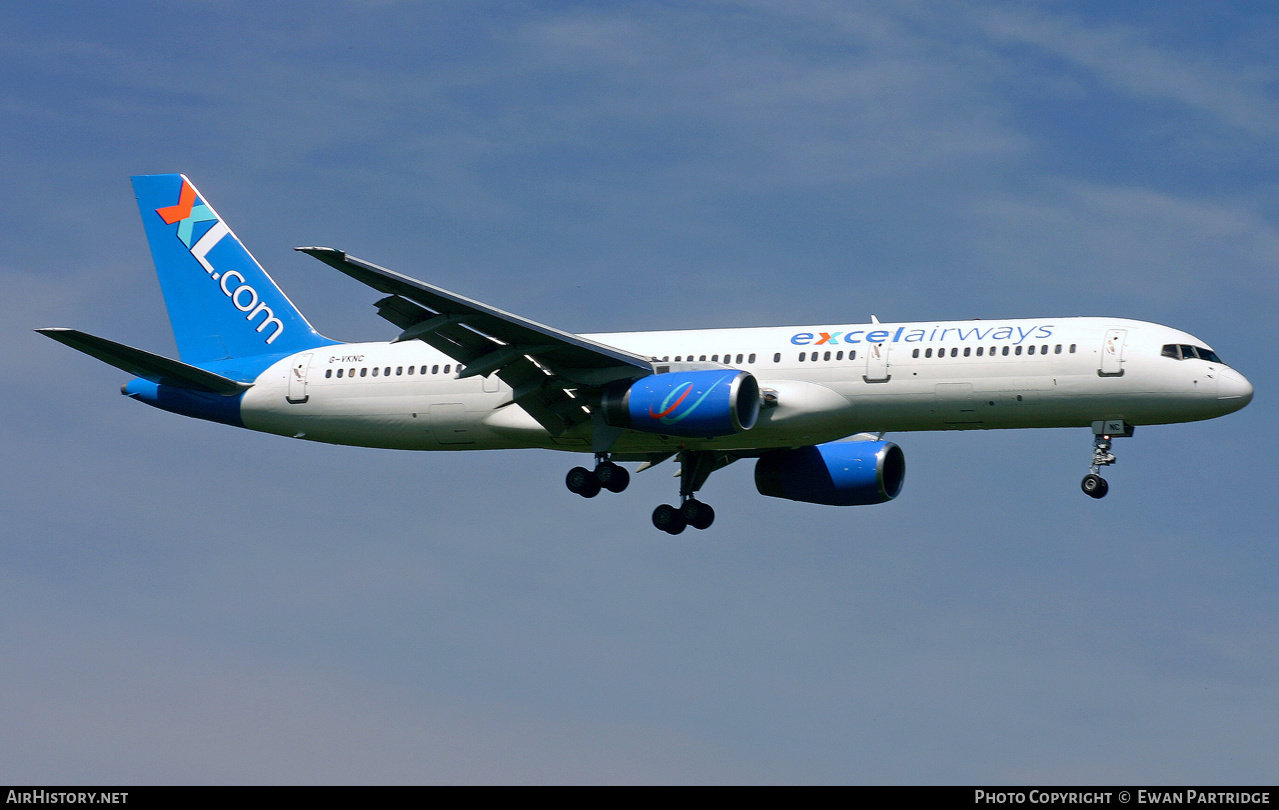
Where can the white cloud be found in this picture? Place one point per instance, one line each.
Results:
(1237, 94)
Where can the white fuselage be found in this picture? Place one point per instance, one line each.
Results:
(821, 383)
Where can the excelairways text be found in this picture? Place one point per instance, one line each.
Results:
(906, 334)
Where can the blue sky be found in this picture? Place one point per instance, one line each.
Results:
(184, 602)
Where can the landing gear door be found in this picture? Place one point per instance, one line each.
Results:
(297, 379)
(1112, 354)
(877, 363)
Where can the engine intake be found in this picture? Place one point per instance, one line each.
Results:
(834, 474)
(697, 404)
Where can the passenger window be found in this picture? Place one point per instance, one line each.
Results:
(666, 359)
(386, 372)
(364, 372)
(340, 373)
(739, 359)
(351, 373)
(423, 370)
(915, 353)
(714, 358)
(802, 355)
(826, 356)
(701, 359)
(435, 369)
(1018, 350)
(954, 352)
(1072, 348)
(777, 358)
(979, 350)
(1057, 350)
(1005, 352)
(928, 352)
(852, 355)
(328, 373)
(375, 371)
(446, 369)
(968, 351)
(1043, 350)
(1030, 350)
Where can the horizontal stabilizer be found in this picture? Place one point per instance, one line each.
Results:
(148, 366)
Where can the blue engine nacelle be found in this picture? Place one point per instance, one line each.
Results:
(835, 474)
(697, 404)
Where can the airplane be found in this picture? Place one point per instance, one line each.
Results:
(811, 404)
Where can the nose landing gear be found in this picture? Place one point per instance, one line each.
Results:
(1093, 485)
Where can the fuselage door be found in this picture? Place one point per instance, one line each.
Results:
(877, 363)
(449, 420)
(297, 379)
(1112, 353)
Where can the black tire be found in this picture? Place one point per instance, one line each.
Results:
(668, 519)
(697, 514)
(582, 482)
(613, 477)
(1094, 486)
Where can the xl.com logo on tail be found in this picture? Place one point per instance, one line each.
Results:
(666, 412)
(189, 212)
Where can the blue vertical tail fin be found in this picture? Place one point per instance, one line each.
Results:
(221, 303)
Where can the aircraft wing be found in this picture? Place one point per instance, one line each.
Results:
(545, 367)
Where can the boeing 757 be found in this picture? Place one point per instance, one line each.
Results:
(810, 404)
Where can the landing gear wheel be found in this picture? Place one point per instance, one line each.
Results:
(612, 477)
(582, 482)
(668, 519)
(697, 514)
(1094, 486)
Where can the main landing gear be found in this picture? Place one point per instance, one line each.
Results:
(695, 467)
(606, 475)
(691, 512)
(1093, 485)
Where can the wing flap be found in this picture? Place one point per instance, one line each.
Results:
(544, 367)
(568, 352)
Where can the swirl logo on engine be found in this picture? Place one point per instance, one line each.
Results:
(668, 408)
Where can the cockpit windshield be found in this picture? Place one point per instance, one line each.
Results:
(1184, 352)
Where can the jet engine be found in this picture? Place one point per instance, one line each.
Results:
(696, 404)
(836, 474)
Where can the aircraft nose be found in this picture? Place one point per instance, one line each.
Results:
(1233, 390)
